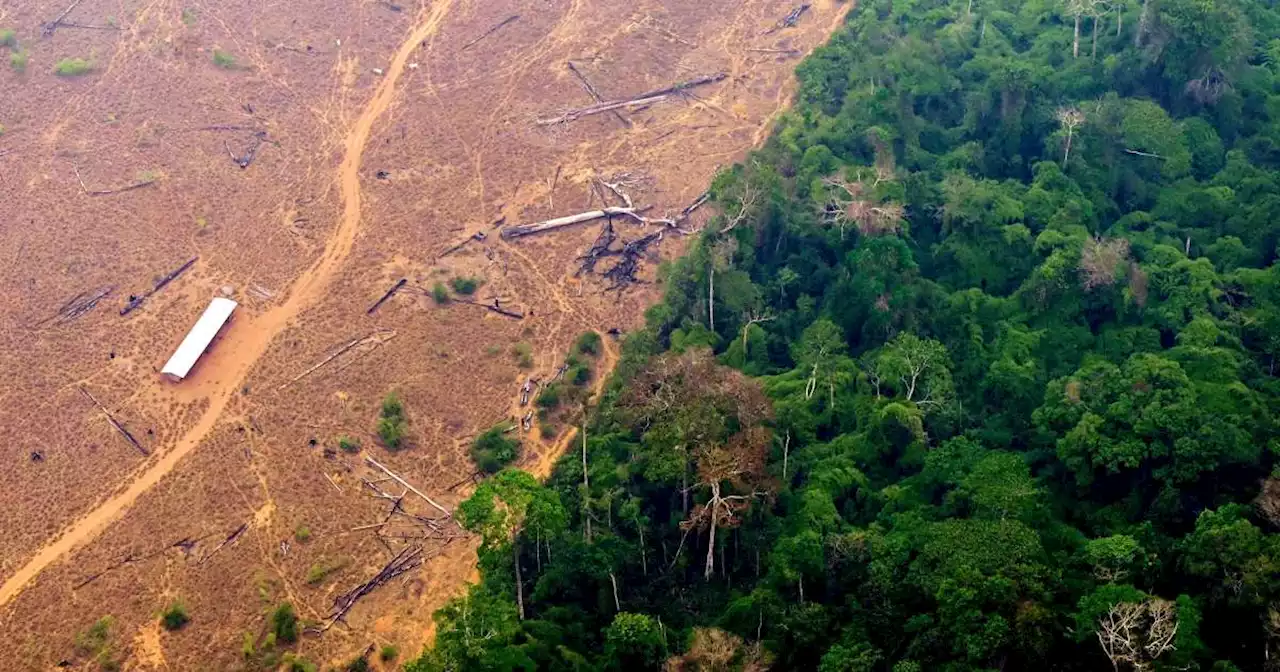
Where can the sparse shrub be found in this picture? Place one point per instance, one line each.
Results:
(388, 653)
(492, 350)
(548, 430)
(523, 353)
(302, 534)
(348, 444)
(224, 59)
(492, 450)
(175, 617)
(579, 374)
(587, 344)
(298, 664)
(465, 286)
(440, 293)
(320, 570)
(8, 38)
(189, 16)
(72, 67)
(391, 423)
(95, 644)
(284, 624)
(360, 664)
(247, 650)
(549, 398)
(18, 61)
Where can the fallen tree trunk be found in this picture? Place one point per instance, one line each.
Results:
(496, 309)
(645, 98)
(374, 463)
(135, 301)
(116, 423)
(595, 95)
(390, 292)
(569, 220)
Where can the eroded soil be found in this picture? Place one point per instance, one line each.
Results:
(387, 142)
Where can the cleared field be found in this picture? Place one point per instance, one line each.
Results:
(374, 137)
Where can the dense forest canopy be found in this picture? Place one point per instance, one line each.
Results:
(975, 371)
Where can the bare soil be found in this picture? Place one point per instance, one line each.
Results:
(386, 143)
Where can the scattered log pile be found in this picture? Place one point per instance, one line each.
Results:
(790, 20)
(410, 558)
(78, 305)
(623, 274)
(602, 247)
(136, 301)
(47, 30)
(259, 137)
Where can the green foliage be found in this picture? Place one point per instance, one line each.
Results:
(1014, 309)
(492, 450)
(523, 354)
(18, 61)
(588, 343)
(8, 38)
(298, 664)
(392, 422)
(224, 59)
(440, 293)
(189, 16)
(95, 644)
(68, 67)
(388, 653)
(175, 617)
(348, 444)
(284, 624)
(465, 286)
(319, 571)
(302, 534)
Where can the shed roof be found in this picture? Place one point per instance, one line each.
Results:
(185, 357)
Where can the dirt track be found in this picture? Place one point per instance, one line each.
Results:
(403, 165)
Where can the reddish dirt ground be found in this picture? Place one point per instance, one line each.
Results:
(388, 141)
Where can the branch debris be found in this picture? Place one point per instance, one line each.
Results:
(116, 423)
(790, 20)
(146, 182)
(375, 339)
(494, 29)
(47, 30)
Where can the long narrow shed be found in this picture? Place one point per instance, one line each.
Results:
(198, 339)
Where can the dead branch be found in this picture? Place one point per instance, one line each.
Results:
(624, 272)
(479, 235)
(231, 539)
(374, 463)
(602, 247)
(107, 192)
(131, 558)
(334, 483)
(244, 161)
(116, 423)
(595, 95)
(377, 338)
(136, 301)
(390, 292)
(788, 52)
(494, 29)
(684, 214)
(407, 559)
(790, 20)
(754, 318)
(228, 127)
(48, 29)
(647, 98)
(1146, 154)
(68, 24)
(746, 206)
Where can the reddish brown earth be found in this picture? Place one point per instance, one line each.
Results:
(365, 178)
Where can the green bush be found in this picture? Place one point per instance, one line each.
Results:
(523, 353)
(8, 38)
(440, 293)
(360, 664)
(587, 344)
(72, 67)
(284, 624)
(348, 444)
(388, 653)
(189, 16)
(297, 664)
(465, 286)
(548, 430)
(320, 570)
(302, 534)
(224, 60)
(18, 61)
(391, 423)
(95, 641)
(549, 398)
(492, 450)
(175, 617)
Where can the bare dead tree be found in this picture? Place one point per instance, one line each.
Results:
(754, 318)
(1070, 118)
(1135, 634)
(745, 206)
(733, 468)
(851, 204)
(1102, 261)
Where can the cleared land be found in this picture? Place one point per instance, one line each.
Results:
(374, 137)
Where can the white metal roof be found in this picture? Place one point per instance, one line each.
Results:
(179, 365)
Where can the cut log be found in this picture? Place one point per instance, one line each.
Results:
(591, 90)
(494, 29)
(116, 423)
(569, 220)
(374, 463)
(390, 292)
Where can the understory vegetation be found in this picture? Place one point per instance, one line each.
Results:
(975, 371)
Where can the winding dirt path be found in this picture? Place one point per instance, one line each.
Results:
(250, 337)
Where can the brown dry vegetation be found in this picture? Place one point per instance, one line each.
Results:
(363, 179)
